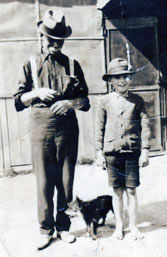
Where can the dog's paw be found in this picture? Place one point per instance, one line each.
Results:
(94, 237)
(87, 234)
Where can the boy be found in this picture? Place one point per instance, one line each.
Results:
(122, 141)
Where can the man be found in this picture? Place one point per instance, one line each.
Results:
(122, 141)
(55, 87)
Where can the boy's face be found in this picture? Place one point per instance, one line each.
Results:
(53, 46)
(120, 83)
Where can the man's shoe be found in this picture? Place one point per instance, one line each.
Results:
(54, 235)
(44, 241)
(66, 236)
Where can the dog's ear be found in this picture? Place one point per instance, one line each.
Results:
(78, 200)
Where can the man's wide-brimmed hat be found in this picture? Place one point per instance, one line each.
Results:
(53, 25)
(117, 66)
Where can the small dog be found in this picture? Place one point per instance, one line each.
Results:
(94, 210)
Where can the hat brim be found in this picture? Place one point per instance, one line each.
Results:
(42, 28)
(106, 76)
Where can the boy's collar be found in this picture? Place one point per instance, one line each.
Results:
(126, 95)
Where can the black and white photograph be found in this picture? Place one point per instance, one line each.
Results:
(83, 128)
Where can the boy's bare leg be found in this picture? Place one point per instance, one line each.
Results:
(132, 208)
(118, 211)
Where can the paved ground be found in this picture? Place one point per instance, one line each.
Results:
(19, 227)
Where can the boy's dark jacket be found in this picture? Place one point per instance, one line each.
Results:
(122, 124)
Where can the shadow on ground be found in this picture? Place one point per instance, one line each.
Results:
(154, 214)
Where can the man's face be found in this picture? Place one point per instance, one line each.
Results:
(120, 83)
(52, 46)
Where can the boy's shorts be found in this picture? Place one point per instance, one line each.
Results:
(123, 169)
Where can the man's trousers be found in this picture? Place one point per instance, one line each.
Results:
(54, 141)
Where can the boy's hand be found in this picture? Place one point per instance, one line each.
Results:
(143, 159)
(100, 160)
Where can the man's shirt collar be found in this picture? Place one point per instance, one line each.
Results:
(46, 56)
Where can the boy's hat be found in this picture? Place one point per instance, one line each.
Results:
(53, 25)
(117, 66)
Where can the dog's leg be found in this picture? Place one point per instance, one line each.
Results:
(88, 229)
(95, 225)
(103, 221)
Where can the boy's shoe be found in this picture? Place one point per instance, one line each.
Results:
(44, 241)
(66, 236)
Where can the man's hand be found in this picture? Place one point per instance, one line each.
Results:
(144, 159)
(45, 94)
(100, 160)
(61, 107)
